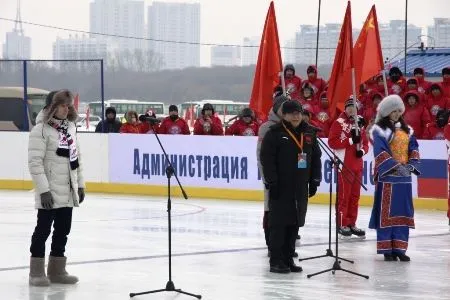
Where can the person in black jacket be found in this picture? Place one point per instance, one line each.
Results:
(290, 158)
(110, 124)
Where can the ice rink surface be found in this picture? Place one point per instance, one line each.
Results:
(119, 244)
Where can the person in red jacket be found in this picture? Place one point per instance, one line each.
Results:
(245, 125)
(350, 146)
(173, 124)
(412, 85)
(370, 111)
(322, 118)
(132, 125)
(447, 139)
(208, 123)
(446, 81)
(308, 99)
(396, 83)
(423, 86)
(149, 126)
(436, 100)
(292, 82)
(416, 115)
(435, 130)
(318, 84)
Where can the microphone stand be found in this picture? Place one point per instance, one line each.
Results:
(170, 286)
(335, 160)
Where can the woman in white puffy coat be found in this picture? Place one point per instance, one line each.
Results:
(55, 166)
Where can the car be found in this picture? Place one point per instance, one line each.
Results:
(81, 122)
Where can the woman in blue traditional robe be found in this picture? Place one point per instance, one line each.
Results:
(396, 153)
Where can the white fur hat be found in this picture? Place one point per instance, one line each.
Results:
(388, 105)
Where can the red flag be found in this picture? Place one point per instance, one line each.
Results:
(367, 51)
(340, 83)
(268, 67)
(76, 101)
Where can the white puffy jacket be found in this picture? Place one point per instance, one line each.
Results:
(49, 171)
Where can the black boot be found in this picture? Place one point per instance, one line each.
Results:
(402, 257)
(279, 267)
(390, 257)
(295, 254)
(293, 267)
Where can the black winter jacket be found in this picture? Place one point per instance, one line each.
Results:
(288, 184)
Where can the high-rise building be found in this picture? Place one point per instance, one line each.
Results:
(250, 50)
(225, 56)
(17, 45)
(80, 47)
(439, 33)
(392, 36)
(120, 18)
(289, 52)
(175, 32)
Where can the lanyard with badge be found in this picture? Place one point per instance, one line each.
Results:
(302, 157)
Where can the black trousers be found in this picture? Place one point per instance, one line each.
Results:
(61, 218)
(282, 243)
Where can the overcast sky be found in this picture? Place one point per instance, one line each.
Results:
(222, 21)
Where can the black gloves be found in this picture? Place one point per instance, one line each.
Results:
(359, 153)
(356, 138)
(312, 190)
(273, 191)
(81, 194)
(47, 200)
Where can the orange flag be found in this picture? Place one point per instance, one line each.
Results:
(367, 51)
(340, 83)
(268, 67)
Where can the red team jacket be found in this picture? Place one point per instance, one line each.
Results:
(416, 116)
(434, 104)
(293, 85)
(433, 132)
(240, 128)
(340, 140)
(204, 127)
(317, 83)
(168, 126)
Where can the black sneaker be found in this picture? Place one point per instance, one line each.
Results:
(279, 267)
(402, 257)
(344, 232)
(390, 257)
(294, 268)
(358, 232)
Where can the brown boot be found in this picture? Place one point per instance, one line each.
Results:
(37, 272)
(57, 273)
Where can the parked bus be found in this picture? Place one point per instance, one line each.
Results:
(122, 106)
(224, 109)
(13, 114)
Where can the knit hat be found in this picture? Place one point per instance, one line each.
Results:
(173, 108)
(418, 71)
(349, 102)
(291, 106)
(446, 71)
(278, 101)
(110, 110)
(388, 105)
(61, 97)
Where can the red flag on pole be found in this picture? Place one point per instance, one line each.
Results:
(76, 101)
(367, 51)
(268, 67)
(340, 83)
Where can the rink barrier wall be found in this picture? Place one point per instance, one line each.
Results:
(208, 167)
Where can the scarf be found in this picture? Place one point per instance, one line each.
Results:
(67, 146)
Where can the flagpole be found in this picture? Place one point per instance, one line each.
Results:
(283, 84)
(406, 32)
(318, 31)
(383, 73)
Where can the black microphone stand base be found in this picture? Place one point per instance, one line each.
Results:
(170, 287)
(337, 267)
(329, 253)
